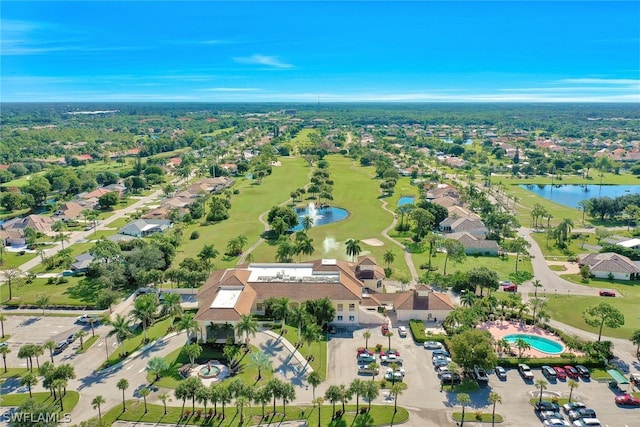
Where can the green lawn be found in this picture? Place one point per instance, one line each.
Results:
(69, 401)
(557, 307)
(88, 342)
(552, 251)
(14, 259)
(62, 294)
(252, 201)
(177, 359)
(380, 415)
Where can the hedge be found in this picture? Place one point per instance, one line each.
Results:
(537, 362)
(419, 336)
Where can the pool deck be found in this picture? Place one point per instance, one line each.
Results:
(499, 329)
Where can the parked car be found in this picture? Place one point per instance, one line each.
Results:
(4, 344)
(144, 291)
(441, 357)
(390, 358)
(560, 372)
(546, 406)
(501, 373)
(432, 345)
(384, 329)
(442, 370)
(627, 399)
(402, 331)
(579, 413)
(568, 407)
(506, 283)
(587, 422)
(450, 378)
(546, 415)
(71, 338)
(571, 371)
(396, 375)
(510, 288)
(365, 370)
(549, 372)
(59, 348)
(441, 361)
(366, 358)
(525, 371)
(480, 374)
(635, 379)
(604, 293)
(390, 352)
(88, 318)
(440, 352)
(362, 350)
(583, 371)
(556, 422)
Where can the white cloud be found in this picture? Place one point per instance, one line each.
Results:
(270, 61)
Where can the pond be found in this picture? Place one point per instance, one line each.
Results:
(405, 200)
(321, 216)
(571, 195)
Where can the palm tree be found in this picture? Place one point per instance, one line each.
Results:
(171, 305)
(189, 324)
(319, 401)
(157, 366)
(373, 367)
(493, 399)
(192, 351)
(3, 317)
(4, 351)
(536, 284)
(29, 380)
(59, 227)
(164, 397)
(345, 395)
(542, 385)
(563, 229)
(357, 387)
(247, 325)
(467, 299)
(50, 345)
(279, 308)
(314, 381)
(123, 384)
(389, 335)
(144, 392)
(287, 394)
(80, 335)
(304, 246)
(299, 316)
(463, 399)
(332, 394)
(371, 391)
(366, 335)
(307, 222)
(353, 248)
(97, 403)
(261, 361)
(389, 257)
(274, 385)
(396, 390)
(572, 384)
(522, 346)
(120, 329)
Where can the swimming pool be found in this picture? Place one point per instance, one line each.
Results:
(539, 343)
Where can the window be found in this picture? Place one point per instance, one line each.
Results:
(352, 318)
(259, 307)
(352, 307)
(340, 307)
(339, 318)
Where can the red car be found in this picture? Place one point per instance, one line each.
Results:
(362, 350)
(560, 373)
(627, 399)
(607, 294)
(571, 371)
(511, 288)
(384, 329)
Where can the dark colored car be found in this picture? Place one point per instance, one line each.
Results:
(607, 294)
(450, 377)
(549, 372)
(547, 406)
(501, 372)
(59, 348)
(571, 372)
(480, 375)
(581, 413)
(583, 371)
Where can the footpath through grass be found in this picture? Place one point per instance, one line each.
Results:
(380, 415)
(318, 350)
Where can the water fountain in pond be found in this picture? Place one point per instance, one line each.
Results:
(213, 371)
(320, 216)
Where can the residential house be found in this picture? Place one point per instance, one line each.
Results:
(631, 244)
(39, 223)
(610, 264)
(13, 237)
(70, 211)
(229, 294)
(422, 303)
(474, 245)
(82, 263)
(474, 227)
(145, 227)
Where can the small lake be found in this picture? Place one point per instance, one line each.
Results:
(406, 200)
(571, 195)
(322, 216)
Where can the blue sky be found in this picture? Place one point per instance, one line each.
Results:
(303, 51)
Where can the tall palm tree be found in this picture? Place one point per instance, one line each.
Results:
(522, 346)
(3, 317)
(261, 361)
(144, 392)
(314, 381)
(536, 284)
(319, 401)
(353, 248)
(29, 380)
(396, 390)
(3, 352)
(97, 403)
(171, 305)
(493, 399)
(563, 229)
(50, 345)
(542, 385)
(279, 308)
(572, 384)
(467, 299)
(164, 397)
(366, 335)
(389, 257)
(120, 329)
(332, 394)
(299, 316)
(463, 399)
(123, 384)
(371, 391)
(60, 227)
(389, 335)
(635, 339)
(357, 388)
(247, 325)
(287, 394)
(307, 222)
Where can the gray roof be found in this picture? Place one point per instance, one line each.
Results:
(609, 262)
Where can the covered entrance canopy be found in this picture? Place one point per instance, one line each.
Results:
(618, 377)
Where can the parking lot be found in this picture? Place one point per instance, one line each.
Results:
(431, 407)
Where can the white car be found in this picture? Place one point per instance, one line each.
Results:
(432, 345)
(556, 422)
(88, 318)
(402, 331)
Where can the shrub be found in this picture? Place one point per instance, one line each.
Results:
(194, 235)
(378, 348)
(479, 414)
